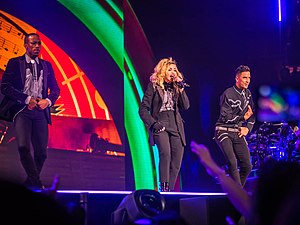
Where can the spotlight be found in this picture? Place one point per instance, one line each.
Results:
(139, 205)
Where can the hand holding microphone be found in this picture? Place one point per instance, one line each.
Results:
(179, 82)
(182, 84)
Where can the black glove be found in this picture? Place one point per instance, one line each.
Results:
(180, 84)
(156, 127)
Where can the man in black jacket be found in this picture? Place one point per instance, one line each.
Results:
(29, 88)
(236, 120)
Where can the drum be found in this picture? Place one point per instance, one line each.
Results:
(258, 146)
(275, 140)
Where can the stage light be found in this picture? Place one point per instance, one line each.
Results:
(139, 205)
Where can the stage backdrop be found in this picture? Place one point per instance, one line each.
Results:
(97, 70)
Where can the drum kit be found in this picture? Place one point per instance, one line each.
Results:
(274, 140)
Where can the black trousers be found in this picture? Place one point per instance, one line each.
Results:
(236, 153)
(170, 149)
(32, 130)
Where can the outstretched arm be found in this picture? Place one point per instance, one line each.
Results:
(237, 195)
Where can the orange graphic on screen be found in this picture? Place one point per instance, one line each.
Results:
(80, 118)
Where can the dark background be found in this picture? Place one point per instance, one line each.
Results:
(209, 39)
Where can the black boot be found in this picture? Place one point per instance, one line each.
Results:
(164, 187)
(34, 184)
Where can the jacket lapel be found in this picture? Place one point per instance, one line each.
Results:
(22, 62)
(45, 74)
(160, 91)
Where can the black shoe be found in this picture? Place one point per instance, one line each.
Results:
(34, 184)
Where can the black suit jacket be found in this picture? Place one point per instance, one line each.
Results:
(151, 104)
(12, 86)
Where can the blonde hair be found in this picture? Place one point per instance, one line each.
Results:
(160, 69)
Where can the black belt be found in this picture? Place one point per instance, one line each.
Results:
(228, 129)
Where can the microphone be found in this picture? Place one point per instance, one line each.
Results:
(182, 84)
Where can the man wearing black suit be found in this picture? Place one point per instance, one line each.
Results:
(29, 88)
(235, 122)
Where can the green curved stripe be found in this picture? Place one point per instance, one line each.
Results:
(111, 36)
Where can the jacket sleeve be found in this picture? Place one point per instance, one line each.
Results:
(146, 106)
(11, 85)
(183, 101)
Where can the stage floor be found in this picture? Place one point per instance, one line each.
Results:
(76, 170)
(194, 208)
